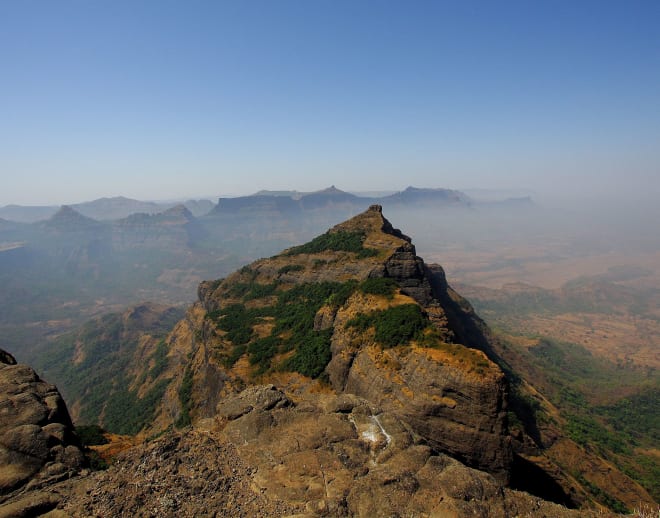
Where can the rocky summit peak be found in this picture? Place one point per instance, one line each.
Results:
(371, 220)
(67, 218)
(373, 224)
(179, 210)
(66, 211)
(331, 190)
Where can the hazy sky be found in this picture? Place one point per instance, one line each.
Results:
(161, 99)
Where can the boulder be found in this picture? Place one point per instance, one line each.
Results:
(38, 443)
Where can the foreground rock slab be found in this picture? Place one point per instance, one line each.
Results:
(38, 444)
(266, 454)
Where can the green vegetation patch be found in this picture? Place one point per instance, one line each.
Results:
(160, 359)
(293, 328)
(103, 377)
(312, 354)
(637, 415)
(379, 286)
(185, 398)
(236, 352)
(342, 241)
(126, 413)
(91, 435)
(237, 321)
(294, 317)
(263, 349)
(260, 291)
(574, 377)
(603, 497)
(575, 381)
(589, 432)
(288, 268)
(252, 290)
(394, 326)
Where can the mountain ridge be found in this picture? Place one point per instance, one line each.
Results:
(119, 207)
(380, 252)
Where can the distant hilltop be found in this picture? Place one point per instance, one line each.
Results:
(103, 209)
(294, 201)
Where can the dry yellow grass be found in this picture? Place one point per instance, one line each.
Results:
(264, 328)
(621, 339)
(117, 444)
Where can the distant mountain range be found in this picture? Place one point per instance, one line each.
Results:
(116, 208)
(333, 198)
(103, 209)
(77, 263)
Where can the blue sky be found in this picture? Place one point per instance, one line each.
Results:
(162, 99)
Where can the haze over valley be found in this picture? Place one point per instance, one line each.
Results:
(558, 284)
(352, 259)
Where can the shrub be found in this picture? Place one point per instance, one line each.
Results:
(312, 355)
(263, 349)
(91, 435)
(237, 321)
(294, 315)
(259, 291)
(96, 462)
(394, 326)
(342, 241)
(290, 268)
(379, 286)
(587, 431)
(293, 327)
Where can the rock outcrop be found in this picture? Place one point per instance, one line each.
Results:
(265, 455)
(38, 444)
(174, 229)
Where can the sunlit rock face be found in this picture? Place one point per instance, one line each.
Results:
(37, 440)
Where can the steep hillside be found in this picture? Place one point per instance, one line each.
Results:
(107, 369)
(590, 351)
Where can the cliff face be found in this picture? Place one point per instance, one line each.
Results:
(316, 311)
(174, 229)
(37, 442)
